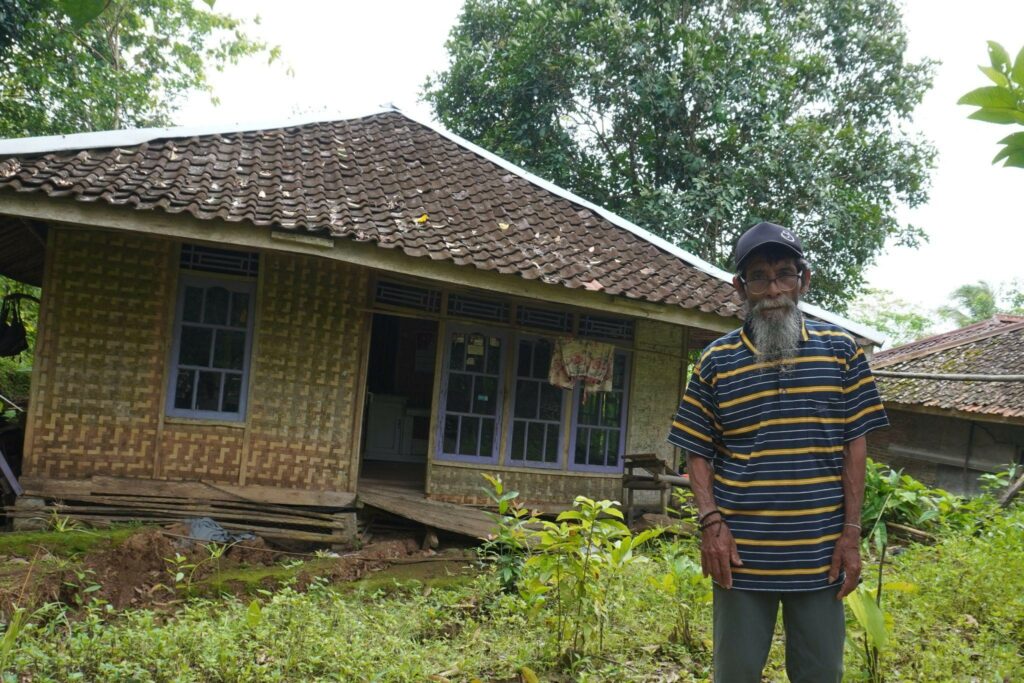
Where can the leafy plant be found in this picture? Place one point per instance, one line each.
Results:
(183, 570)
(508, 546)
(574, 572)
(683, 584)
(1003, 101)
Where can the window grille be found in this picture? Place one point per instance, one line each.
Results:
(408, 296)
(223, 261)
(596, 327)
(479, 309)
(541, 319)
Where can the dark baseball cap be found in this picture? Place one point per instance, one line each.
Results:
(762, 234)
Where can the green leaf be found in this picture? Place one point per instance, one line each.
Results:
(1003, 116)
(254, 614)
(1015, 159)
(1013, 140)
(998, 55)
(569, 514)
(995, 76)
(869, 616)
(990, 96)
(81, 12)
(901, 586)
(1018, 68)
(527, 675)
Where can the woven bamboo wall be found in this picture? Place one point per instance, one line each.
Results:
(305, 389)
(100, 380)
(100, 357)
(655, 388)
(461, 484)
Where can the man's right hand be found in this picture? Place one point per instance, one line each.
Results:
(718, 554)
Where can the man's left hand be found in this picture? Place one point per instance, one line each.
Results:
(846, 557)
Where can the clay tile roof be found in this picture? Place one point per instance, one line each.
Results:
(991, 347)
(385, 179)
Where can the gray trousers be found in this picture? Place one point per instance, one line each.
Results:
(744, 622)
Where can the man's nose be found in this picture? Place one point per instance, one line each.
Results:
(773, 287)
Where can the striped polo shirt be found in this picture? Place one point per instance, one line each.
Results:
(774, 435)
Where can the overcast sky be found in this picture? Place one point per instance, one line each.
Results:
(350, 57)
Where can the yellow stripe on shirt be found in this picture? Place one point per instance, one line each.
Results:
(782, 572)
(782, 513)
(775, 392)
(777, 482)
(691, 431)
(791, 361)
(795, 541)
(784, 451)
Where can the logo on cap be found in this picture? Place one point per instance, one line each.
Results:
(787, 235)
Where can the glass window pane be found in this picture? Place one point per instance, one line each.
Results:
(216, 310)
(232, 393)
(526, 399)
(476, 347)
(619, 373)
(195, 346)
(192, 309)
(183, 389)
(518, 439)
(460, 388)
(486, 437)
(525, 355)
(551, 447)
(582, 443)
(469, 435)
(485, 397)
(208, 391)
(535, 442)
(239, 309)
(612, 454)
(588, 413)
(457, 355)
(493, 355)
(611, 410)
(229, 350)
(550, 402)
(451, 433)
(542, 359)
(598, 439)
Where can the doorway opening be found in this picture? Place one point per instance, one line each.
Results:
(399, 392)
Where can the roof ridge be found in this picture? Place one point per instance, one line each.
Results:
(952, 344)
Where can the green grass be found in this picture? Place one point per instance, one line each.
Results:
(966, 622)
(63, 543)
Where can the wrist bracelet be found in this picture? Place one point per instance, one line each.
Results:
(714, 522)
(701, 518)
(858, 527)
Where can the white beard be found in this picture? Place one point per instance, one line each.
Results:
(775, 324)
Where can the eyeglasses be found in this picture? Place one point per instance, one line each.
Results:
(760, 285)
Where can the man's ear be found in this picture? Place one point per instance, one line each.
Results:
(739, 287)
(806, 280)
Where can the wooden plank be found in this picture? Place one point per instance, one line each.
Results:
(52, 488)
(458, 518)
(227, 505)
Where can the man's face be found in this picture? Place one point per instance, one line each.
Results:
(764, 285)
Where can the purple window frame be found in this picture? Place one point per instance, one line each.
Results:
(527, 464)
(449, 331)
(576, 395)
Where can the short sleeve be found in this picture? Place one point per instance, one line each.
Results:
(693, 427)
(864, 410)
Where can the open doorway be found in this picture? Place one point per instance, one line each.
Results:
(400, 388)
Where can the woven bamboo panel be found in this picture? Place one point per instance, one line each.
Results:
(656, 392)
(305, 374)
(463, 485)
(101, 357)
(201, 452)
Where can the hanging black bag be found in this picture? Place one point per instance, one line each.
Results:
(13, 339)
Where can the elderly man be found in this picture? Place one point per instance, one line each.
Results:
(773, 422)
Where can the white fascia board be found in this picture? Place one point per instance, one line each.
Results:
(138, 136)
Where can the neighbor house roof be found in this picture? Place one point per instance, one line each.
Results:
(991, 347)
(383, 178)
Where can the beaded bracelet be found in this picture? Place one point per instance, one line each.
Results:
(701, 518)
(705, 527)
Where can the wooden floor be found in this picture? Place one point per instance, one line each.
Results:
(413, 504)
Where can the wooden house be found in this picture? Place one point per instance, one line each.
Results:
(283, 314)
(955, 403)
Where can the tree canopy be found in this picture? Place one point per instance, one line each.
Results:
(696, 119)
(900, 321)
(981, 300)
(79, 65)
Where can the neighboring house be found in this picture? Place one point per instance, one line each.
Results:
(958, 417)
(278, 312)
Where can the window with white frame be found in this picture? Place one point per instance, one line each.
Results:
(471, 394)
(536, 407)
(600, 423)
(211, 349)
